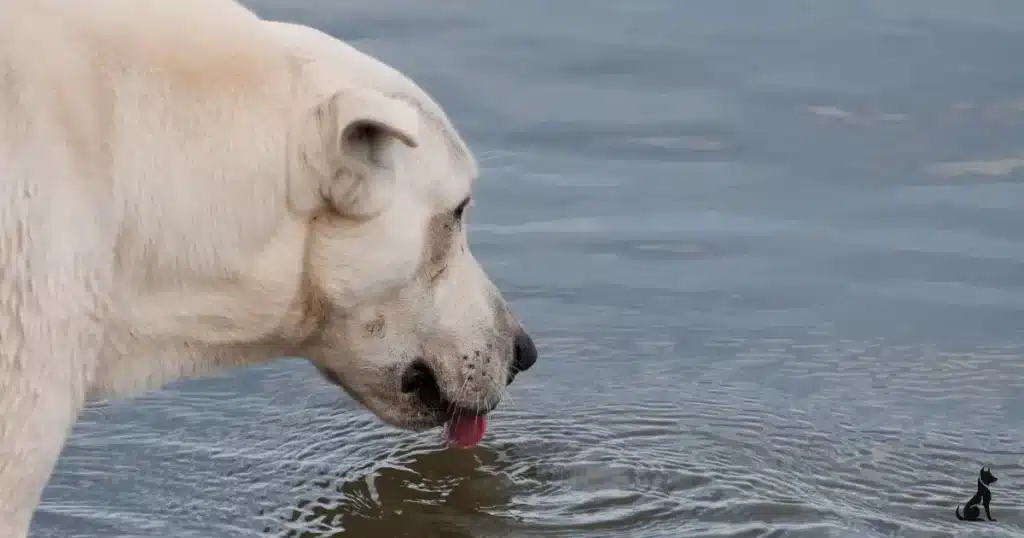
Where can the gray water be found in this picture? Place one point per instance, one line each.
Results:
(772, 254)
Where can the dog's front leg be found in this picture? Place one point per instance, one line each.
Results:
(41, 394)
(987, 513)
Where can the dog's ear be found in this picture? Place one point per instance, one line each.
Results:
(356, 134)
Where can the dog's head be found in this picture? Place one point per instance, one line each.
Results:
(987, 477)
(409, 324)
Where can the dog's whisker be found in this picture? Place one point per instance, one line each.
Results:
(504, 394)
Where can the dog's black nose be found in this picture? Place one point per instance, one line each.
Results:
(420, 379)
(524, 354)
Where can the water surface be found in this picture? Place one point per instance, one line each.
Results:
(771, 252)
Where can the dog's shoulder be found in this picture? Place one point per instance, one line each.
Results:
(200, 47)
(84, 72)
(160, 126)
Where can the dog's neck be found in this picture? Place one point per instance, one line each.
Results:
(142, 367)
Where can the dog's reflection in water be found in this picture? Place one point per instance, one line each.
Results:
(438, 494)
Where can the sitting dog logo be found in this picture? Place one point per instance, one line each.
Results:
(983, 497)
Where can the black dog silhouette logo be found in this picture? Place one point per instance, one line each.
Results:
(983, 497)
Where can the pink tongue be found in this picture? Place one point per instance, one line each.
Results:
(466, 432)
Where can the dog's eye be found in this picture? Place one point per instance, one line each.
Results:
(461, 208)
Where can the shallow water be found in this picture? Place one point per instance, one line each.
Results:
(771, 252)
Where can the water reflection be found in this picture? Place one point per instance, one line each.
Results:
(447, 493)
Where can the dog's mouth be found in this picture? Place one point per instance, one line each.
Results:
(332, 376)
(465, 430)
(464, 427)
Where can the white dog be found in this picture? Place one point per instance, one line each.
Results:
(185, 188)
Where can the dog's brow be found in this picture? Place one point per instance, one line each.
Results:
(456, 147)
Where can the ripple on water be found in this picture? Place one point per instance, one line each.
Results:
(549, 476)
(536, 479)
(714, 452)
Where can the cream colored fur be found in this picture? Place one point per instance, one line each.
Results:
(185, 188)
